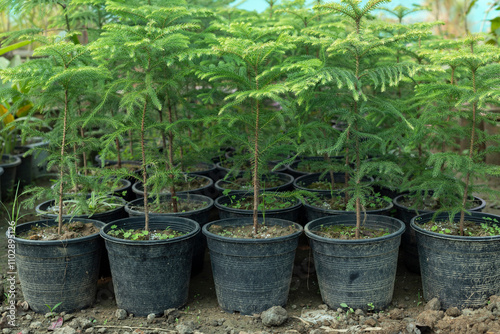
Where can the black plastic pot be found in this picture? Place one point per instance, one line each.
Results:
(356, 272)
(9, 164)
(106, 217)
(314, 212)
(201, 216)
(1, 173)
(207, 190)
(251, 275)
(58, 271)
(40, 156)
(409, 240)
(223, 170)
(208, 170)
(134, 165)
(290, 213)
(304, 181)
(124, 190)
(24, 172)
(317, 164)
(151, 276)
(285, 179)
(460, 271)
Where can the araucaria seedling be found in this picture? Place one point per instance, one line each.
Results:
(148, 41)
(473, 86)
(252, 68)
(351, 68)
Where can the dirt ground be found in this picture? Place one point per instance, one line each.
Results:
(306, 313)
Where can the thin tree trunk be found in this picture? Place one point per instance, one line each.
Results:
(144, 176)
(471, 153)
(61, 164)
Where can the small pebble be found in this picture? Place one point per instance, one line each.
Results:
(121, 314)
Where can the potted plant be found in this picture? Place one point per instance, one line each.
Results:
(243, 258)
(354, 62)
(58, 261)
(456, 232)
(160, 246)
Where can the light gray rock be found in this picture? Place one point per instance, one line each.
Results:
(411, 328)
(36, 324)
(186, 327)
(275, 316)
(151, 317)
(121, 314)
(64, 330)
(80, 323)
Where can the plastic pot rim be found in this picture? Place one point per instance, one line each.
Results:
(400, 196)
(443, 216)
(352, 218)
(39, 211)
(99, 224)
(16, 162)
(152, 219)
(249, 221)
(326, 176)
(389, 206)
(136, 190)
(196, 197)
(287, 178)
(219, 206)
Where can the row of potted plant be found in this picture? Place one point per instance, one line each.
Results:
(171, 79)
